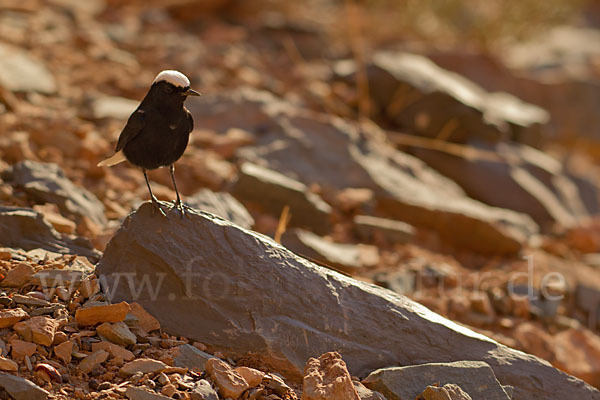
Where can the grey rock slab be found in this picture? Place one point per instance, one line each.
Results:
(474, 377)
(19, 72)
(240, 291)
(47, 183)
(273, 191)
(524, 180)
(222, 204)
(21, 389)
(572, 80)
(443, 102)
(187, 356)
(341, 255)
(368, 227)
(27, 229)
(335, 154)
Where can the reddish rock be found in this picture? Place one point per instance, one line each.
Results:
(327, 378)
(7, 364)
(114, 350)
(230, 383)
(64, 351)
(87, 364)
(144, 365)
(10, 317)
(145, 320)
(104, 313)
(535, 339)
(89, 287)
(253, 376)
(117, 333)
(578, 352)
(18, 276)
(52, 215)
(20, 348)
(449, 391)
(38, 329)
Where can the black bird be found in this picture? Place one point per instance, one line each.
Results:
(157, 132)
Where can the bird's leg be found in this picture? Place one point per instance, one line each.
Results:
(155, 202)
(178, 203)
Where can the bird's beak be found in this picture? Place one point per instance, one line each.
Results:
(191, 92)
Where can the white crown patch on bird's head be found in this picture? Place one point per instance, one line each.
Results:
(175, 78)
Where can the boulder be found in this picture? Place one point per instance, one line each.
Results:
(438, 103)
(335, 154)
(27, 229)
(272, 191)
(47, 183)
(249, 296)
(222, 204)
(474, 377)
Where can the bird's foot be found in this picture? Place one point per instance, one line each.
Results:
(157, 207)
(182, 207)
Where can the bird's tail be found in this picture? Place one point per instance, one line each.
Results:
(113, 160)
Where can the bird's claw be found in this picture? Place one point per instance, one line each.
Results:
(181, 207)
(157, 208)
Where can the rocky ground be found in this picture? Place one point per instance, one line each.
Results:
(459, 178)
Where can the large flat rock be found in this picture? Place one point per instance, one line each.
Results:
(418, 96)
(335, 154)
(233, 289)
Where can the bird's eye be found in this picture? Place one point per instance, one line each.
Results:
(168, 89)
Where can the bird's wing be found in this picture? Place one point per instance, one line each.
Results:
(134, 125)
(190, 120)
